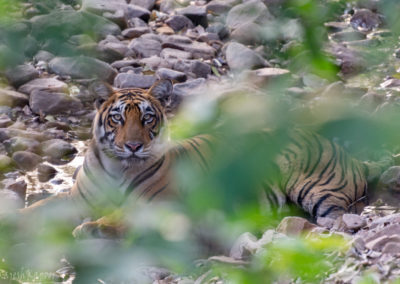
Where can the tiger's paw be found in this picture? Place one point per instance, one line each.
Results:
(99, 230)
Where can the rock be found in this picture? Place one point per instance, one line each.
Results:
(26, 160)
(37, 196)
(294, 226)
(336, 26)
(127, 80)
(17, 143)
(147, 4)
(100, 7)
(200, 69)
(50, 84)
(244, 246)
(144, 48)
(240, 57)
(379, 243)
(167, 6)
(6, 164)
(349, 60)
(12, 98)
(165, 30)
(124, 63)
(152, 62)
(390, 179)
(46, 172)
(71, 22)
(47, 102)
(21, 74)
(19, 187)
(347, 36)
(253, 11)
(364, 20)
(263, 76)
(134, 11)
(110, 51)
(197, 49)
(172, 53)
(383, 221)
(165, 73)
(247, 33)
(10, 201)
(391, 248)
(82, 67)
(179, 22)
(218, 7)
(135, 32)
(43, 55)
(197, 14)
(5, 121)
(353, 221)
(58, 151)
(183, 89)
(218, 29)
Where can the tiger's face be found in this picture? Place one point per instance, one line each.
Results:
(129, 123)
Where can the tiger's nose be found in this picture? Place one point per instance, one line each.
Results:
(134, 146)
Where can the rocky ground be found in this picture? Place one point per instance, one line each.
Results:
(46, 105)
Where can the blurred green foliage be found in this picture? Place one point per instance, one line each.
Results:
(221, 205)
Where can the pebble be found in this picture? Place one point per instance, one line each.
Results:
(17, 143)
(21, 74)
(47, 102)
(179, 22)
(144, 48)
(58, 151)
(165, 73)
(365, 20)
(197, 14)
(147, 4)
(12, 98)
(294, 226)
(82, 67)
(46, 172)
(135, 32)
(353, 221)
(247, 34)
(135, 11)
(25, 160)
(168, 53)
(50, 84)
(240, 57)
(128, 80)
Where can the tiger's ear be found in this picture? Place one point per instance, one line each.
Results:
(101, 91)
(162, 91)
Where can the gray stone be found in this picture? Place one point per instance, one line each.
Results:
(152, 62)
(179, 22)
(347, 36)
(165, 73)
(219, 29)
(183, 89)
(82, 67)
(19, 187)
(172, 53)
(390, 179)
(15, 144)
(70, 22)
(111, 51)
(245, 246)
(197, 14)
(10, 201)
(47, 102)
(218, 7)
(247, 33)
(103, 6)
(294, 226)
(249, 12)
(5, 120)
(126, 80)
(197, 49)
(240, 57)
(6, 164)
(353, 221)
(25, 160)
(168, 6)
(46, 172)
(43, 55)
(135, 32)
(147, 4)
(136, 23)
(58, 151)
(200, 69)
(364, 20)
(50, 84)
(144, 48)
(12, 98)
(134, 11)
(21, 74)
(123, 63)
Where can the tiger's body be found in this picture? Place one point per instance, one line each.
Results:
(128, 159)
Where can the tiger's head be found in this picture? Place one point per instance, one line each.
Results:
(128, 124)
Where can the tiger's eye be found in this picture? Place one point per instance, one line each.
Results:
(116, 117)
(147, 117)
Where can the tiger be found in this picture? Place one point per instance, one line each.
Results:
(129, 158)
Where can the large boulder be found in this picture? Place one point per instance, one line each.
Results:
(12, 98)
(47, 102)
(82, 67)
(249, 12)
